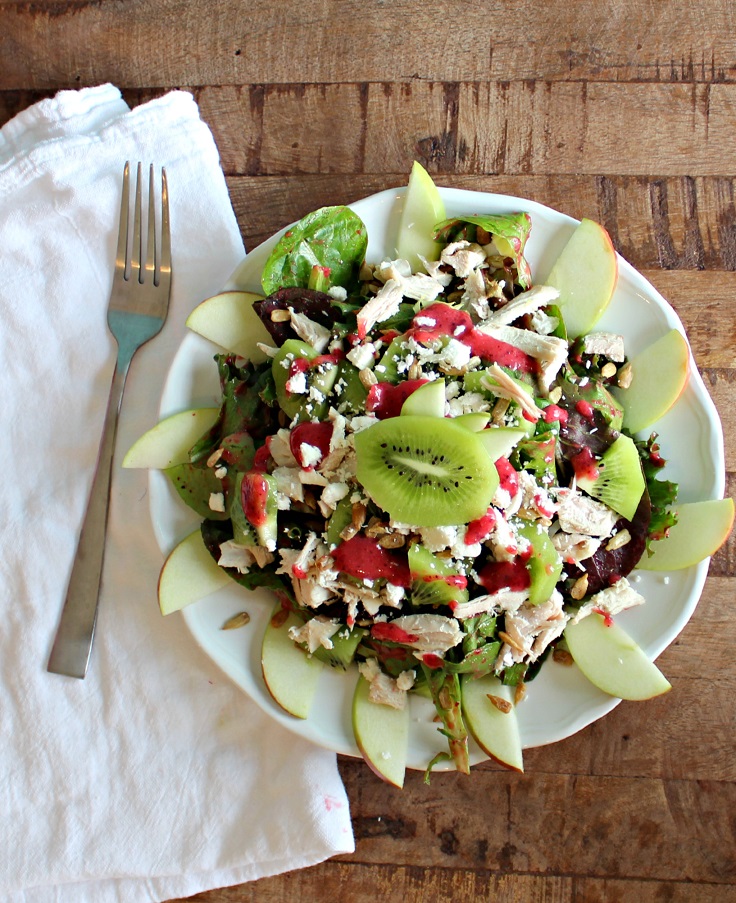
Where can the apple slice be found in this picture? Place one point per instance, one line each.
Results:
(168, 443)
(701, 529)
(496, 732)
(428, 400)
(189, 573)
(228, 320)
(500, 441)
(659, 373)
(585, 275)
(423, 209)
(612, 661)
(291, 676)
(382, 735)
(475, 421)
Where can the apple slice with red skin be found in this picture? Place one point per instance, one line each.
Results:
(585, 275)
(659, 374)
(168, 443)
(700, 531)
(612, 661)
(189, 574)
(228, 320)
(382, 735)
(495, 731)
(291, 676)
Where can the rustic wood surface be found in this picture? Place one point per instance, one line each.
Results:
(624, 112)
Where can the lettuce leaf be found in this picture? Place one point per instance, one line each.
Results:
(334, 238)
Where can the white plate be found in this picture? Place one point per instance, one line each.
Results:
(560, 701)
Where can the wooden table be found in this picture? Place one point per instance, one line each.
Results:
(623, 112)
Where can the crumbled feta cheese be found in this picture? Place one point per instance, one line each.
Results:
(297, 384)
(337, 292)
(217, 502)
(362, 356)
(310, 455)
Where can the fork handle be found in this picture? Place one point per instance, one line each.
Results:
(73, 642)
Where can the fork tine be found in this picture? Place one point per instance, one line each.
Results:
(165, 262)
(121, 253)
(151, 261)
(135, 266)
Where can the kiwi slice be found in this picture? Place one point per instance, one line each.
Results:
(344, 644)
(433, 580)
(322, 378)
(620, 482)
(425, 471)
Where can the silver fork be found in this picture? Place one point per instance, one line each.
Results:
(136, 312)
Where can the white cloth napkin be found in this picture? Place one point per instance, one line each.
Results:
(154, 777)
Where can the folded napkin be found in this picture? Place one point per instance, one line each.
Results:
(154, 777)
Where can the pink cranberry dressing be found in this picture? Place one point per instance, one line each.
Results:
(362, 557)
(385, 400)
(440, 320)
(254, 494)
(318, 435)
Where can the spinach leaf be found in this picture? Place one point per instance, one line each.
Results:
(332, 237)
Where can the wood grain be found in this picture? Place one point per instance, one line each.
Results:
(358, 883)
(353, 40)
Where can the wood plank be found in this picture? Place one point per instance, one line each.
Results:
(498, 127)
(358, 883)
(51, 44)
(493, 128)
(600, 827)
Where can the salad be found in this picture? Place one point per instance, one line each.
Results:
(432, 476)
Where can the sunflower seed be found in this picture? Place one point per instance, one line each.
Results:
(238, 620)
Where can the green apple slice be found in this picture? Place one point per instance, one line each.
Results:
(500, 441)
(423, 209)
(496, 732)
(168, 443)
(475, 421)
(228, 320)
(585, 275)
(701, 529)
(382, 735)
(427, 400)
(189, 573)
(612, 661)
(659, 374)
(290, 675)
